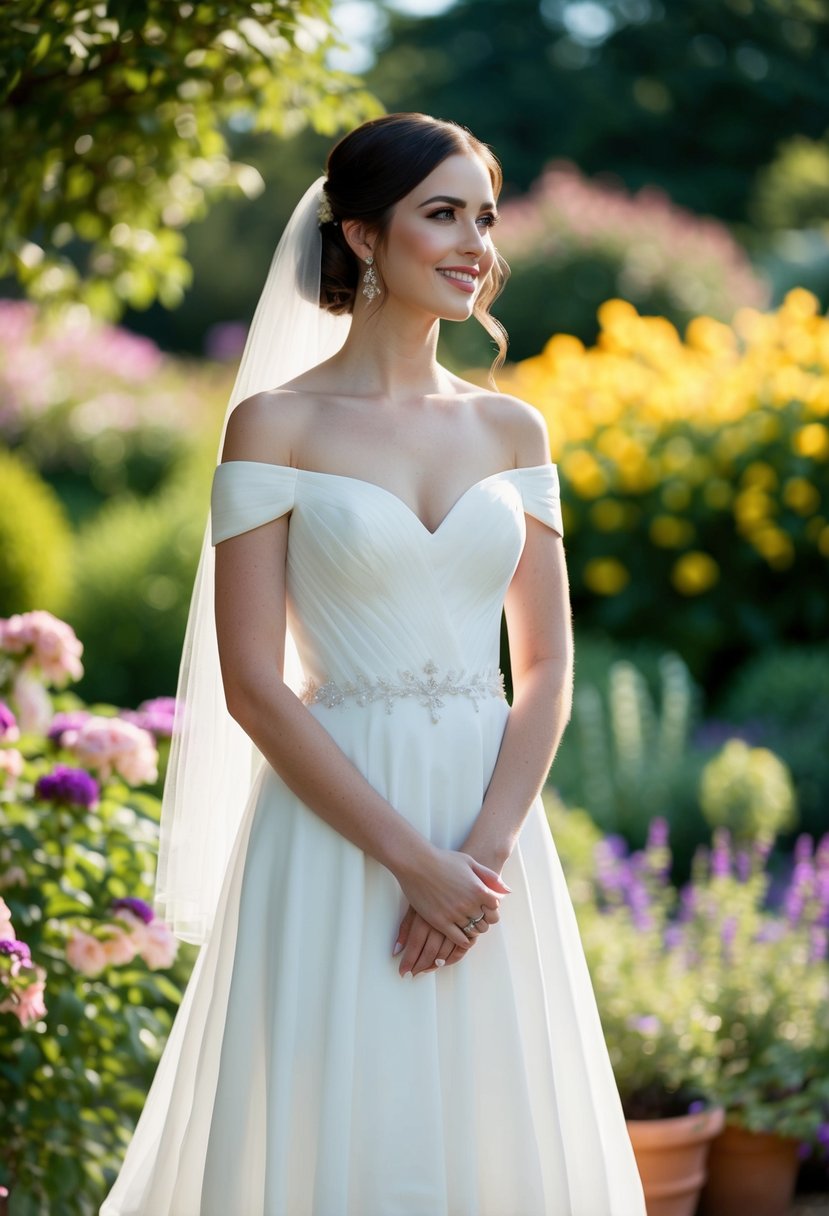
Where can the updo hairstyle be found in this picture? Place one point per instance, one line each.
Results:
(370, 170)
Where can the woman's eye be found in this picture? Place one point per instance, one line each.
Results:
(489, 220)
(443, 212)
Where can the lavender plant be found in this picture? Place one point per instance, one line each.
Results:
(717, 991)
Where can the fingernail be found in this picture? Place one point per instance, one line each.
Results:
(398, 947)
(404, 973)
(439, 962)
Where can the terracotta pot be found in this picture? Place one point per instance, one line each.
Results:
(752, 1172)
(671, 1155)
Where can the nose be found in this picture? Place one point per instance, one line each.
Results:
(473, 239)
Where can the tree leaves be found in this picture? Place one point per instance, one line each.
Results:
(114, 120)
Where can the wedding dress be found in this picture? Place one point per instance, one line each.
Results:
(302, 1075)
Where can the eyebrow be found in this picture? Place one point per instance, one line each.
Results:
(456, 202)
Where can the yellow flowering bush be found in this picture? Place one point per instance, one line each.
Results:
(695, 473)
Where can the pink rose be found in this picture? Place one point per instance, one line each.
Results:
(112, 745)
(121, 948)
(85, 953)
(31, 1005)
(156, 944)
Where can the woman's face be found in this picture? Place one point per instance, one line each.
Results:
(438, 249)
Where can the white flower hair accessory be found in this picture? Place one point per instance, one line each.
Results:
(324, 213)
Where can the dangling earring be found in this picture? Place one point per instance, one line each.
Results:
(371, 287)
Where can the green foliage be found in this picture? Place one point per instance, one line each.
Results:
(35, 540)
(113, 122)
(793, 190)
(73, 1080)
(749, 791)
(626, 755)
(134, 573)
(783, 694)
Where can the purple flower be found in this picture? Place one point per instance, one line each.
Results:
(70, 786)
(142, 910)
(14, 948)
(657, 832)
(803, 848)
(8, 723)
(721, 854)
(743, 864)
(63, 722)
(615, 845)
(155, 716)
(728, 931)
(673, 936)
(696, 1106)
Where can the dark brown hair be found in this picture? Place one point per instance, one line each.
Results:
(370, 170)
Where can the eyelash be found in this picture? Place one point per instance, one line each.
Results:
(491, 220)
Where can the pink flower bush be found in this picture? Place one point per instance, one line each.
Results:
(112, 745)
(48, 646)
(22, 984)
(135, 931)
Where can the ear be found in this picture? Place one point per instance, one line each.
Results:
(360, 237)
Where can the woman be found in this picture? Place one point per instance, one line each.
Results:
(391, 1015)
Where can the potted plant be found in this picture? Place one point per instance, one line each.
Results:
(659, 1033)
(719, 992)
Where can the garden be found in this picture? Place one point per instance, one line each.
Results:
(680, 356)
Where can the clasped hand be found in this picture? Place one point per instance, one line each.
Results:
(445, 894)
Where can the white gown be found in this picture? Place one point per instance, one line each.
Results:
(302, 1076)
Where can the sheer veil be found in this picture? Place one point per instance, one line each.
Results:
(213, 763)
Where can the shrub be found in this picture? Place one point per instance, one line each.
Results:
(134, 575)
(99, 411)
(35, 540)
(695, 477)
(784, 695)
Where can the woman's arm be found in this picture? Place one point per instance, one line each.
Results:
(250, 625)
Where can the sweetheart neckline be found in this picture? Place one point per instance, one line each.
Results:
(390, 493)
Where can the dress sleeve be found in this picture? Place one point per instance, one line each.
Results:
(540, 491)
(246, 494)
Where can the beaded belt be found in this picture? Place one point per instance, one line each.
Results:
(429, 689)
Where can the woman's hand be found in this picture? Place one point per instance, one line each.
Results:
(425, 949)
(448, 889)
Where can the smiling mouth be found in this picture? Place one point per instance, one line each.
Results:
(463, 278)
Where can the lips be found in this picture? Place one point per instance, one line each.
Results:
(461, 276)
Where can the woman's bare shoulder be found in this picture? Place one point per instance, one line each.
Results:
(521, 426)
(268, 426)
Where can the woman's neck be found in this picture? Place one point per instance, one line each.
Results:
(390, 356)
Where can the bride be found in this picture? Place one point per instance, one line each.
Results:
(391, 1013)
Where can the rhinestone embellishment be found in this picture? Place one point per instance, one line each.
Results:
(429, 689)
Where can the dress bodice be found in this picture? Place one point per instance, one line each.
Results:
(369, 588)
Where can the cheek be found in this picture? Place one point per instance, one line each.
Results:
(424, 244)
